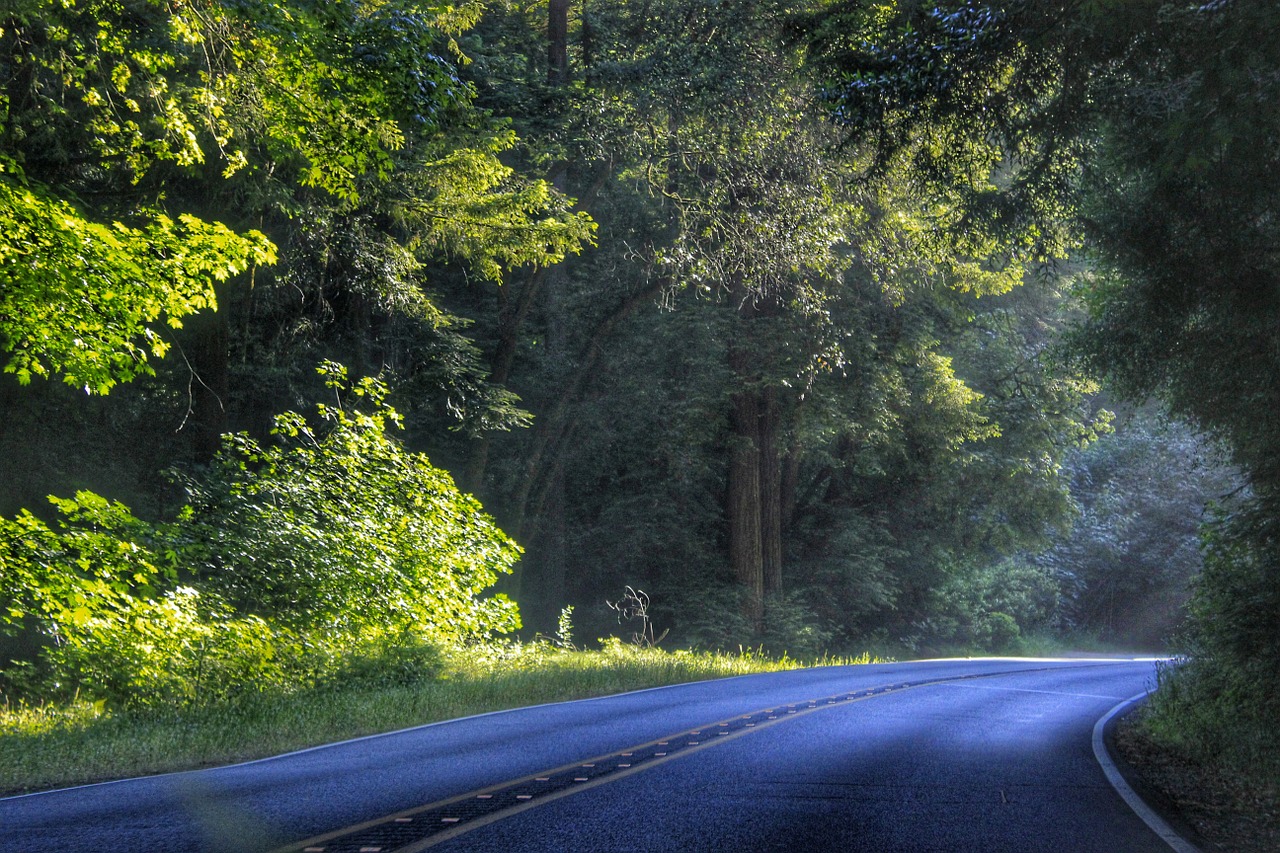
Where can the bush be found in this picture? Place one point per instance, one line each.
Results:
(387, 662)
(991, 607)
(97, 559)
(998, 632)
(1221, 705)
(344, 530)
(334, 557)
(166, 652)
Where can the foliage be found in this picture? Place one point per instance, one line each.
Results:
(1129, 562)
(991, 607)
(597, 291)
(970, 99)
(1140, 126)
(97, 561)
(166, 652)
(77, 295)
(339, 529)
(1220, 705)
(860, 308)
(115, 116)
(335, 555)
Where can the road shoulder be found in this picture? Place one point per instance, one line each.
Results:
(1218, 812)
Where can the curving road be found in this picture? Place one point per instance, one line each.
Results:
(959, 755)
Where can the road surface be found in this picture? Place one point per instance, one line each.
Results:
(959, 755)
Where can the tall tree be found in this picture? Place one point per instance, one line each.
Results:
(1177, 197)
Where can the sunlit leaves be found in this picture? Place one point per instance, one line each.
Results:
(97, 558)
(80, 298)
(110, 110)
(464, 202)
(337, 526)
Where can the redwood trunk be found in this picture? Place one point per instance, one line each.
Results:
(770, 491)
(745, 555)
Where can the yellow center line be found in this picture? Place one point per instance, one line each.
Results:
(621, 771)
(617, 764)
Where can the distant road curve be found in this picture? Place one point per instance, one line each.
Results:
(953, 755)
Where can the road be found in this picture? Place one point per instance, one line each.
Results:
(982, 755)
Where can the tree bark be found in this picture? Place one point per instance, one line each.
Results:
(743, 497)
(558, 42)
(743, 493)
(770, 490)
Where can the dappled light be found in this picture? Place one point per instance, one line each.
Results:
(361, 348)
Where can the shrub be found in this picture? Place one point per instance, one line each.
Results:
(166, 652)
(343, 530)
(97, 558)
(1221, 705)
(335, 556)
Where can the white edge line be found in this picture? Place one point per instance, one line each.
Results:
(1158, 824)
(376, 735)
(373, 736)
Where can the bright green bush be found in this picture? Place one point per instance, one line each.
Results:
(97, 558)
(334, 556)
(170, 651)
(339, 529)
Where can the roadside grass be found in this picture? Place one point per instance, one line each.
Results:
(1211, 745)
(1034, 645)
(1234, 807)
(51, 746)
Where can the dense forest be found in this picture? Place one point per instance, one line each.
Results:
(339, 329)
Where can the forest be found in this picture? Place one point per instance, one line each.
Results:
(338, 330)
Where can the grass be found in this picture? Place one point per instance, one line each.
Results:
(51, 746)
(1028, 645)
(1233, 807)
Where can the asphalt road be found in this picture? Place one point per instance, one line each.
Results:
(983, 755)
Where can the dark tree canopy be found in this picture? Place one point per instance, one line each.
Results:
(1149, 129)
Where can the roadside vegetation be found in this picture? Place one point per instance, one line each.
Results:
(80, 741)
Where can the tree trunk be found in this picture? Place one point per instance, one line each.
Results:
(770, 490)
(745, 556)
(789, 496)
(558, 42)
(743, 495)
(543, 568)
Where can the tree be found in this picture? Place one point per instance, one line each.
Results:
(149, 111)
(715, 189)
(1176, 196)
(82, 290)
(345, 133)
(1133, 555)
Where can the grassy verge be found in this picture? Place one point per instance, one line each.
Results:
(1233, 809)
(54, 746)
(1208, 741)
